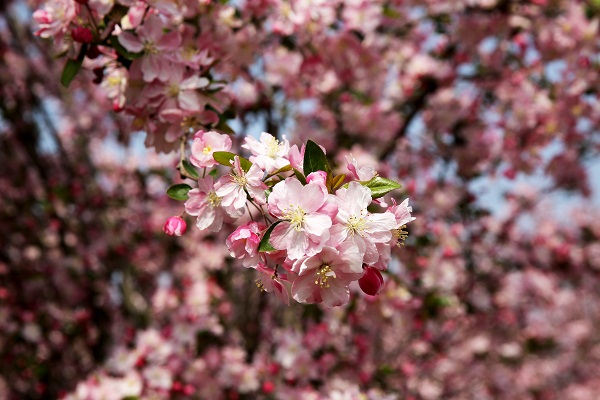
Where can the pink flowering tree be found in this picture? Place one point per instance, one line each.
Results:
(258, 244)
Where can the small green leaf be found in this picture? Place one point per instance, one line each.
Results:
(179, 191)
(315, 159)
(226, 158)
(381, 186)
(70, 70)
(191, 172)
(264, 244)
(300, 177)
(279, 171)
(213, 173)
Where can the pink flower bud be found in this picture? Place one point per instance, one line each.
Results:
(175, 226)
(82, 35)
(371, 282)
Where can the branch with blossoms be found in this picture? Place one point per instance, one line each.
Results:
(311, 233)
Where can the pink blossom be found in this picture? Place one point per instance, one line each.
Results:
(175, 226)
(205, 144)
(178, 93)
(364, 173)
(232, 188)
(243, 243)
(325, 276)
(355, 223)
(206, 204)
(268, 153)
(54, 18)
(152, 40)
(306, 215)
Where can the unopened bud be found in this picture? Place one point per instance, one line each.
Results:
(371, 282)
(175, 226)
(82, 35)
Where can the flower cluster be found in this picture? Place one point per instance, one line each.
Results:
(311, 232)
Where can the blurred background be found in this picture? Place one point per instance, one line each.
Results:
(486, 111)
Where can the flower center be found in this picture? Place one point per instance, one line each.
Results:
(213, 199)
(272, 147)
(400, 235)
(324, 272)
(356, 224)
(150, 47)
(207, 149)
(173, 90)
(295, 215)
(239, 180)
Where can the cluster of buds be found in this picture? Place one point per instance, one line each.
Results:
(309, 232)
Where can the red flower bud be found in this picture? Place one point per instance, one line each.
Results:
(371, 282)
(82, 35)
(175, 226)
(81, 1)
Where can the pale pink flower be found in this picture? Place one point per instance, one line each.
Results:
(325, 276)
(269, 281)
(152, 40)
(296, 157)
(206, 204)
(205, 144)
(178, 93)
(306, 215)
(232, 188)
(356, 224)
(401, 212)
(54, 18)
(243, 243)
(268, 153)
(364, 173)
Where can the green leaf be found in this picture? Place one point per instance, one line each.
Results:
(300, 177)
(179, 191)
(70, 70)
(226, 158)
(264, 244)
(315, 159)
(213, 173)
(381, 186)
(191, 172)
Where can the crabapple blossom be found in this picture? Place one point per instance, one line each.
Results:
(354, 223)
(232, 188)
(243, 243)
(205, 144)
(150, 39)
(205, 203)
(268, 153)
(305, 213)
(325, 276)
